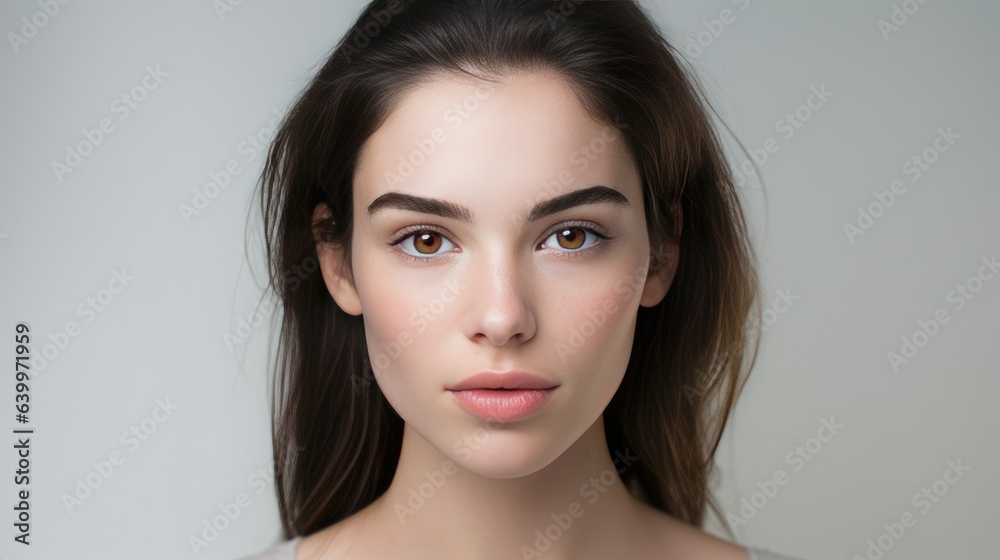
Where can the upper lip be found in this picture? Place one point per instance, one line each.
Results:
(506, 380)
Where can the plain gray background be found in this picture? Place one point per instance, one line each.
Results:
(839, 304)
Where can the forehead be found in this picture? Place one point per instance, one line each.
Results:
(521, 137)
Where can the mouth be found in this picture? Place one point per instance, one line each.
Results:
(504, 405)
(504, 397)
(513, 380)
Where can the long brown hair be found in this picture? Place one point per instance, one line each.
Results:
(336, 438)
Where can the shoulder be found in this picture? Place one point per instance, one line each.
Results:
(334, 542)
(353, 537)
(678, 539)
(672, 538)
(280, 551)
(764, 554)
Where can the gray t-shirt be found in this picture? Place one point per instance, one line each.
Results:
(286, 551)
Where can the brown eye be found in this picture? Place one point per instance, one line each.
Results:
(574, 237)
(421, 244)
(426, 242)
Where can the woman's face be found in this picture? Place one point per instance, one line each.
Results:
(460, 267)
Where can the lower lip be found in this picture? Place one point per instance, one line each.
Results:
(502, 405)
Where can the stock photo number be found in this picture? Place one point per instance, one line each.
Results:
(22, 391)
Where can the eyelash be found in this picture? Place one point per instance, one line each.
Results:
(587, 227)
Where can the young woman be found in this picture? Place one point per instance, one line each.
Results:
(529, 321)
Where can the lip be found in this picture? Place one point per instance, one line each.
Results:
(505, 397)
(506, 380)
(504, 405)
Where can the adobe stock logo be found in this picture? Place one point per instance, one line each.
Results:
(425, 148)
(713, 29)
(788, 125)
(88, 309)
(254, 146)
(434, 480)
(914, 168)
(391, 349)
(959, 297)
(592, 490)
(134, 438)
(797, 458)
(122, 106)
(628, 287)
(229, 511)
(924, 500)
(899, 17)
(31, 26)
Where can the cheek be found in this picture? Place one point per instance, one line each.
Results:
(394, 344)
(394, 347)
(401, 302)
(406, 329)
(404, 317)
(593, 331)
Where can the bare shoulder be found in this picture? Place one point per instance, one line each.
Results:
(326, 544)
(673, 538)
(336, 542)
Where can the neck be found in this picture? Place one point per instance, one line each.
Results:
(568, 509)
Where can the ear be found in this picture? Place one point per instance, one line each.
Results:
(333, 265)
(663, 263)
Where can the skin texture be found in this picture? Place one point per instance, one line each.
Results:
(501, 294)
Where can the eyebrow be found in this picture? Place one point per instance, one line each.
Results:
(591, 195)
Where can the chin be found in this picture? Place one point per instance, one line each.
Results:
(502, 465)
(504, 452)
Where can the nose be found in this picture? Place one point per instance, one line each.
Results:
(502, 308)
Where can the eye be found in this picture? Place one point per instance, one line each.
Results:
(573, 238)
(426, 242)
